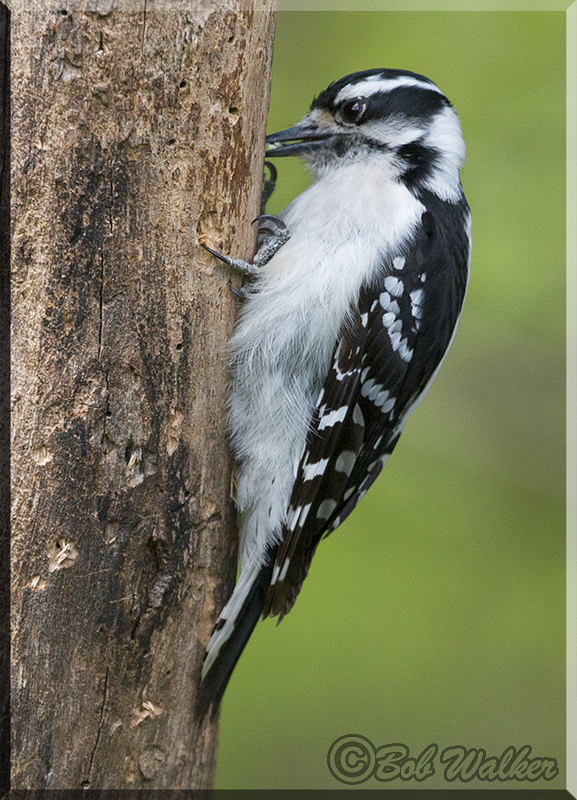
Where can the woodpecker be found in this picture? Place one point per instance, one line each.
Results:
(350, 306)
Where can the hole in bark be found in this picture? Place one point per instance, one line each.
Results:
(182, 84)
(179, 346)
(64, 12)
(233, 110)
(171, 141)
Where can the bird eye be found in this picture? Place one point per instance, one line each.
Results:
(353, 110)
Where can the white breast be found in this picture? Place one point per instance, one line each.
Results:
(341, 228)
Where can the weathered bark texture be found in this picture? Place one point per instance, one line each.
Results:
(137, 133)
(4, 398)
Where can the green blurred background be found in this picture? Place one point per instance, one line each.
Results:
(436, 612)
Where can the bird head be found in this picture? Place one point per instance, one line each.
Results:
(390, 117)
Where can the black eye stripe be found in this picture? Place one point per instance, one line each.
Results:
(404, 101)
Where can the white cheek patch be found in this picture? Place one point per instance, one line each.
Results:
(444, 135)
(394, 131)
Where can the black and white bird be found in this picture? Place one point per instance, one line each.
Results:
(352, 304)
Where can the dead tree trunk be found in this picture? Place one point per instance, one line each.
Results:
(4, 400)
(137, 133)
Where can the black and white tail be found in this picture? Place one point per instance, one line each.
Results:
(231, 633)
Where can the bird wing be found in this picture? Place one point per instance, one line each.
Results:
(383, 362)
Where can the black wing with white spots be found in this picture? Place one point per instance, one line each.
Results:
(382, 365)
(333, 445)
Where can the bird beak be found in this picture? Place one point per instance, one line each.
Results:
(298, 140)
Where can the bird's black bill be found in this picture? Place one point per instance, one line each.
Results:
(294, 141)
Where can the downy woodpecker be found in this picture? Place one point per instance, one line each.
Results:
(351, 305)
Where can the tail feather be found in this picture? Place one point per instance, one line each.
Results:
(230, 635)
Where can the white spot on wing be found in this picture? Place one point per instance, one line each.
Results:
(312, 470)
(304, 515)
(294, 520)
(274, 574)
(416, 309)
(333, 417)
(284, 570)
(384, 401)
(387, 304)
(405, 351)
(346, 461)
(416, 297)
(326, 508)
(394, 286)
(372, 390)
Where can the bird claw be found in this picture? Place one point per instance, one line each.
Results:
(236, 263)
(240, 293)
(216, 254)
(271, 226)
(268, 185)
(272, 234)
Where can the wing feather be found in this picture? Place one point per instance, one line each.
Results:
(383, 363)
(334, 440)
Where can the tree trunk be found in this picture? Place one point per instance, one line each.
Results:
(137, 134)
(4, 399)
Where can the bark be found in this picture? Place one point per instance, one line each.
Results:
(4, 398)
(137, 134)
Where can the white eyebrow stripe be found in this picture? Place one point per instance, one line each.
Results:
(376, 84)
